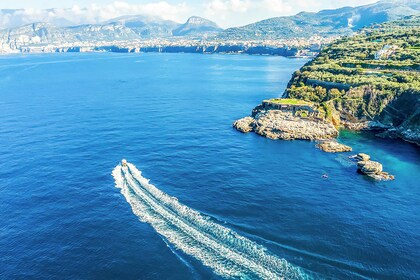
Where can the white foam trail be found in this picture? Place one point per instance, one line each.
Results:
(218, 247)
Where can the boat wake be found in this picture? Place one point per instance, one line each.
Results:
(227, 253)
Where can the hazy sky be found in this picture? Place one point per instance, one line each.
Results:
(226, 13)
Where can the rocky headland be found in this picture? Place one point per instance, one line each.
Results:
(287, 119)
(369, 81)
(290, 119)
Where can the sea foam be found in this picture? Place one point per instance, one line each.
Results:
(226, 252)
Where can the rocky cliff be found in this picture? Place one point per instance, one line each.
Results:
(282, 120)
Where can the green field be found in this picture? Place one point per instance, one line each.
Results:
(290, 101)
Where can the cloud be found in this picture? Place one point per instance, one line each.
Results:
(93, 13)
(163, 9)
(216, 7)
(279, 6)
(316, 5)
(229, 13)
(226, 13)
(246, 11)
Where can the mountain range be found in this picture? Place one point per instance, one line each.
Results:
(326, 23)
(341, 21)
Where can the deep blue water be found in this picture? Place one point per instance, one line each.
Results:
(68, 119)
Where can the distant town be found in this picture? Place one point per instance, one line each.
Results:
(40, 43)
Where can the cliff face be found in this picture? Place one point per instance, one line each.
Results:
(403, 116)
(397, 117)
(368, 81)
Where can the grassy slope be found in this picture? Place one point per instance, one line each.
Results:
(290, 101)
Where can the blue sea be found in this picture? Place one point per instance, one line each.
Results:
(219, 203)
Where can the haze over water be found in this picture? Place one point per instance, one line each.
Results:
(68, 119)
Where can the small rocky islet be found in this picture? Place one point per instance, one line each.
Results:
(290, 119)
(371, 168)
(333, 146)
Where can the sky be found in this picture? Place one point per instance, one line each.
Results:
(226, 13)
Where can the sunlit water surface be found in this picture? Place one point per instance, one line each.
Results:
(68, 119)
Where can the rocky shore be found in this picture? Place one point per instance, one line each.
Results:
(288, 119)
(410, 134)
(286, 124)
(363, 125)
(333, 146)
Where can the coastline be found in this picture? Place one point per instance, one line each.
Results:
(249, 123)
(292, 119)
(290, 52)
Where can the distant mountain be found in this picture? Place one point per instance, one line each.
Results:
(54, 30)
(341, 21)
(124, 30)
(11, 18)
(147, 26)
(326, 23)
(42, 34)
(101, 32)
(197, 26)
(34, 34)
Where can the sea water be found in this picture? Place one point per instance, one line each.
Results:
(68, 119)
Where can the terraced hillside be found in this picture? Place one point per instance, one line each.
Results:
(368, 80)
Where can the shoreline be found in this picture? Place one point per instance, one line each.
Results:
(261, 50)
(293, 119)
(100, 52)
(377, 129)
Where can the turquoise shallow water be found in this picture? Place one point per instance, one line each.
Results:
(68, 119)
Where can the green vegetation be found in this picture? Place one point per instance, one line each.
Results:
(325, 23)
(290, 101)
(362, 74)
(302, 113)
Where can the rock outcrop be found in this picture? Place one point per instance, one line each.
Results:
(278, 124)
(409, 135)
(245, 125)
(332, 146)
(371, 168)
(362, 157)
(363, 125)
